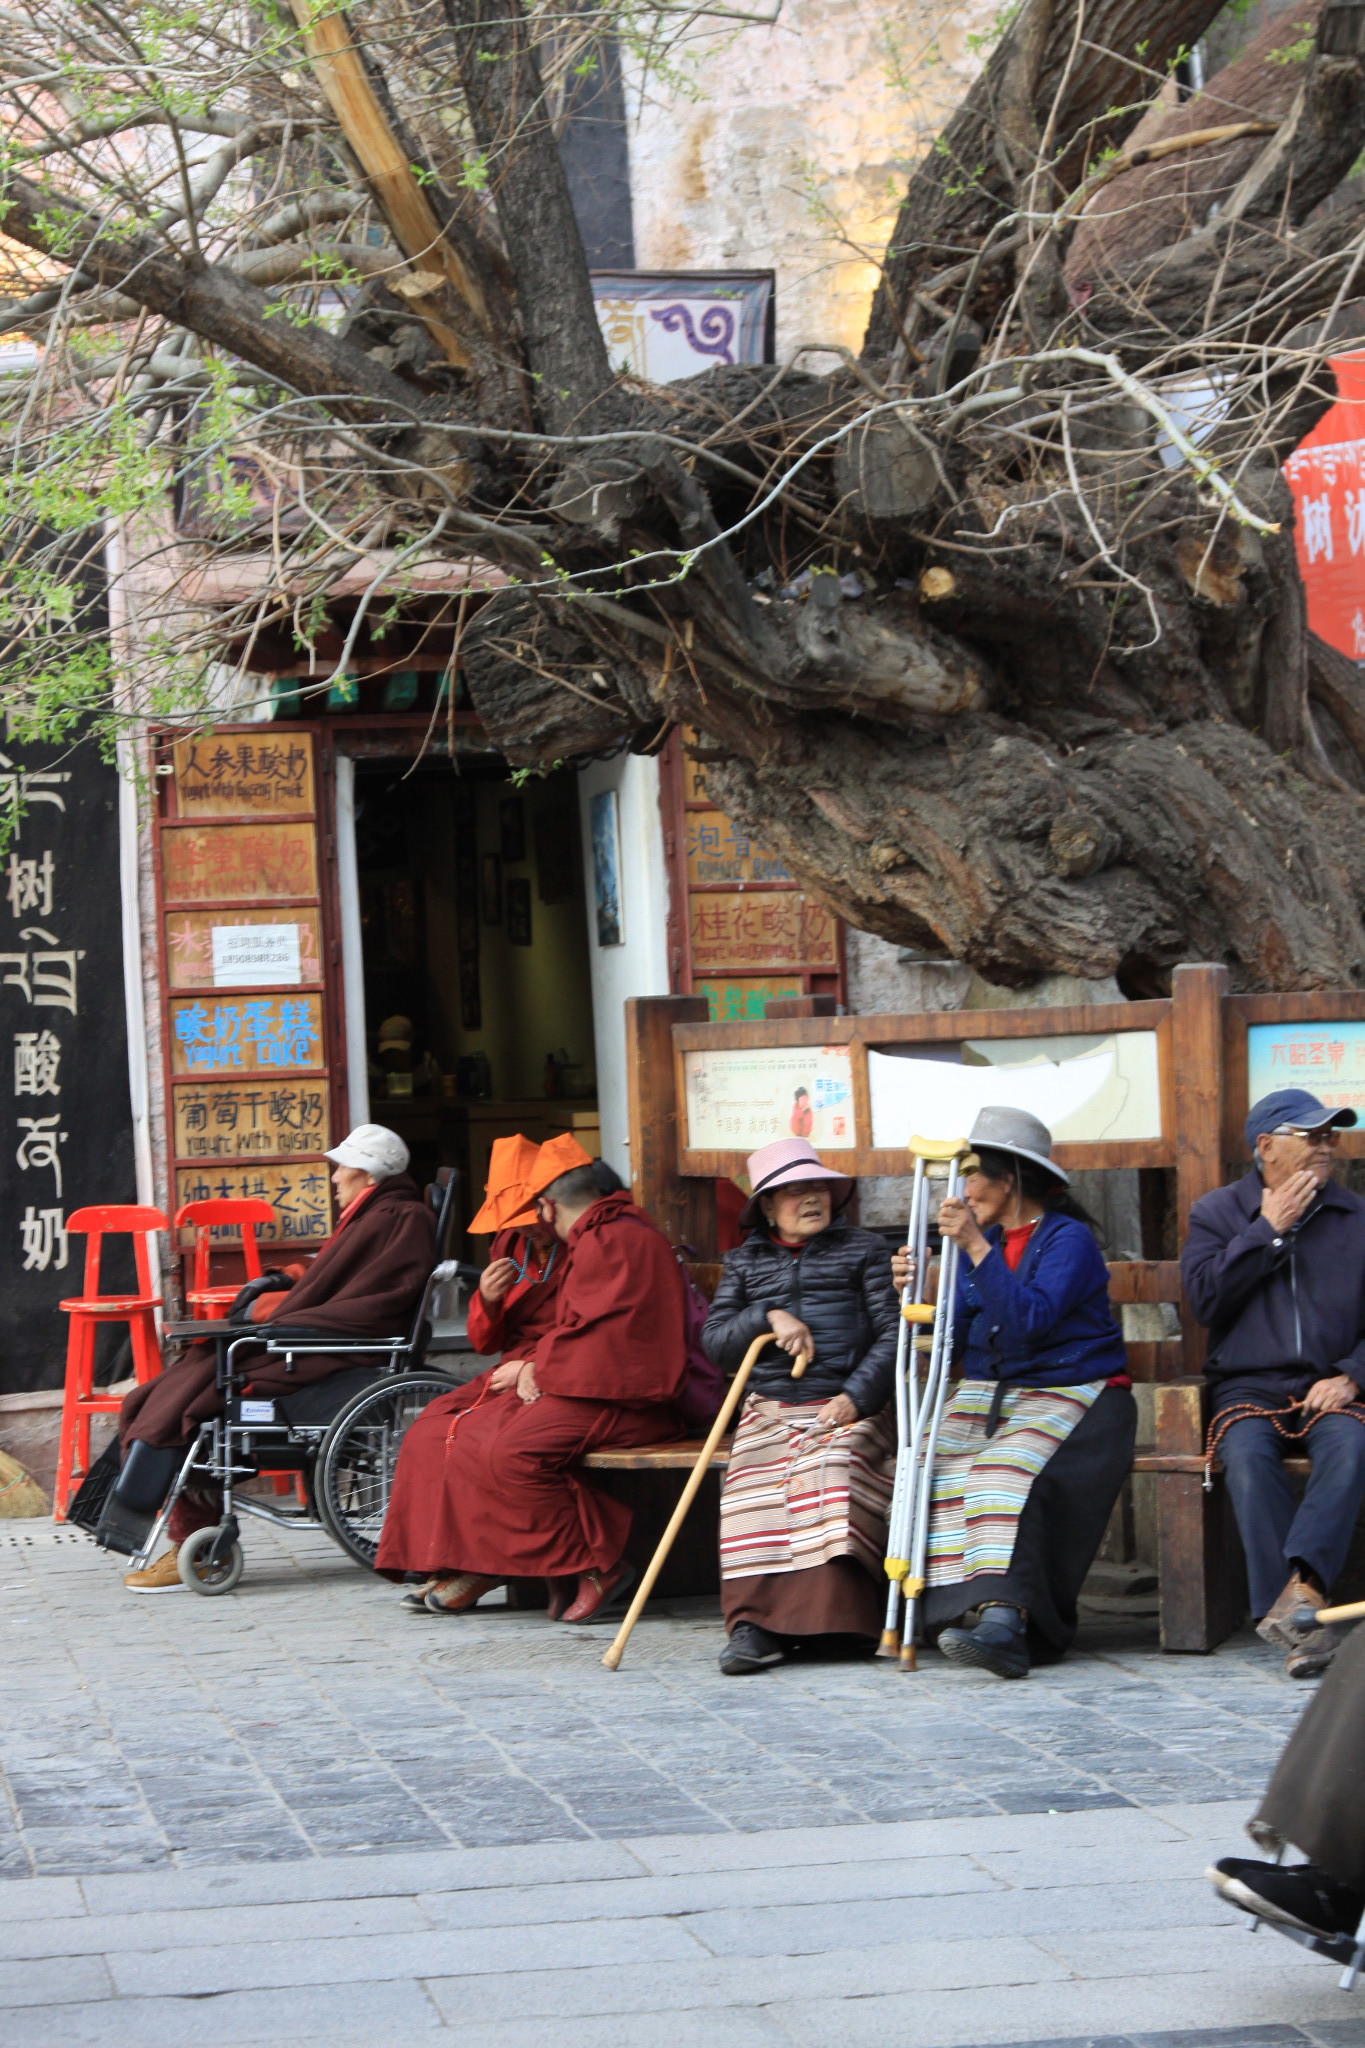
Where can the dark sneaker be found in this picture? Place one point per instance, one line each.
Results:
(997, 1643)
(1296, 1895)
(750, 1648)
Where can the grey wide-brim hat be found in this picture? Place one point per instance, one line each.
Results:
(1014, 1131)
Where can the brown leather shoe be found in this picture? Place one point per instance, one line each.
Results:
(456, 1595)
(597, 1590)
(1311, 1657)
(1293, 1616)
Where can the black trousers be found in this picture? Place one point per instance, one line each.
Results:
(1061, 1528)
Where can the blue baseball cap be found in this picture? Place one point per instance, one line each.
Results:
(1293, 1106)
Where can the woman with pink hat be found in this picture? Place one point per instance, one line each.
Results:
(804, 1508)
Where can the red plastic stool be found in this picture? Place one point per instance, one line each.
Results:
(208, 1303)
(211, 1304)
(86, 1311)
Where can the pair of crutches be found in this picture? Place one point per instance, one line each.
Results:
(925, 1332)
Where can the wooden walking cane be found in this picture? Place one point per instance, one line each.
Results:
(1355, 1612)
(689, 1493)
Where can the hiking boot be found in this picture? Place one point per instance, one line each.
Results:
(1300, 1895)
(161, 1577)
(750, 1648)
(597, 1591)
(1294, 1615)
(1310, 1657)
(996, 1644)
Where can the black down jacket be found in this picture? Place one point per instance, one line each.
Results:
(840, 1287)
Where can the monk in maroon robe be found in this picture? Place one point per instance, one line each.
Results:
(365, 1282)
(485, 1488)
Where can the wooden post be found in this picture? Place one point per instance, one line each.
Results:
(1197, 1583)
(1197, 1055)
(1203, 1582)
(685, 1210)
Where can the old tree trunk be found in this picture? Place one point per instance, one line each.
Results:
(996, 673)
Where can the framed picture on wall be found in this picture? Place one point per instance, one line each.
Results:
(519, 909)
(606, 868)
(491, 889)
(512, 816)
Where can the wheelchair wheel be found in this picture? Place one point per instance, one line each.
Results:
(218, 1578)
(354, 1469)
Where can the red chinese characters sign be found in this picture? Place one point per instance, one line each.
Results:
(1326, 474)
(243, 927)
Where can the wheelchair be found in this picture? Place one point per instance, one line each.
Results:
(340, 1436)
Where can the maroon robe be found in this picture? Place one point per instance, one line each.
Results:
(484, 1481)
(526, 1311)
(365, 1282)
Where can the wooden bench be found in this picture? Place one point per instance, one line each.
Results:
(1199, 1554)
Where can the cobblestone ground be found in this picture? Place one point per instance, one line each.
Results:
(297, 1815)
(307, 1715)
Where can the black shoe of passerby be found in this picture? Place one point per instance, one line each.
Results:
(1297, 1894)
(750, 1648)
(997, 1643)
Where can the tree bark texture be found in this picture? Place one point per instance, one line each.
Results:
(998, 670)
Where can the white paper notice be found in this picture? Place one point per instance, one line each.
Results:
(256, 956)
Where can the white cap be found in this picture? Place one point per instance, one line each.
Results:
(374, 1150)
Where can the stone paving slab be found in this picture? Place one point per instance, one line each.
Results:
(306, 1716)
(914, 1932)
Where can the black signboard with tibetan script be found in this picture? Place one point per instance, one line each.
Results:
(66, 1138)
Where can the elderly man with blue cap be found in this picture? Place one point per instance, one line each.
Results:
(1275, 1267)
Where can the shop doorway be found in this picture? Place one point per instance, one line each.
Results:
(474, 940)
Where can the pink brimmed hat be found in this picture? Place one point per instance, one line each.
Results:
(779, 1164)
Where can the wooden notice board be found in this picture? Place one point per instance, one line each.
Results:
(742, 931)
(253, 1037)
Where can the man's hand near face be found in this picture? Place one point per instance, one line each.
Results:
(1327, 1397)
(1283, 1206)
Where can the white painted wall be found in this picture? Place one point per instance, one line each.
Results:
(639, 967)
(787, 147)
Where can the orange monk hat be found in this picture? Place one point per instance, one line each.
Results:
(507, 1193)
(560, 1154)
